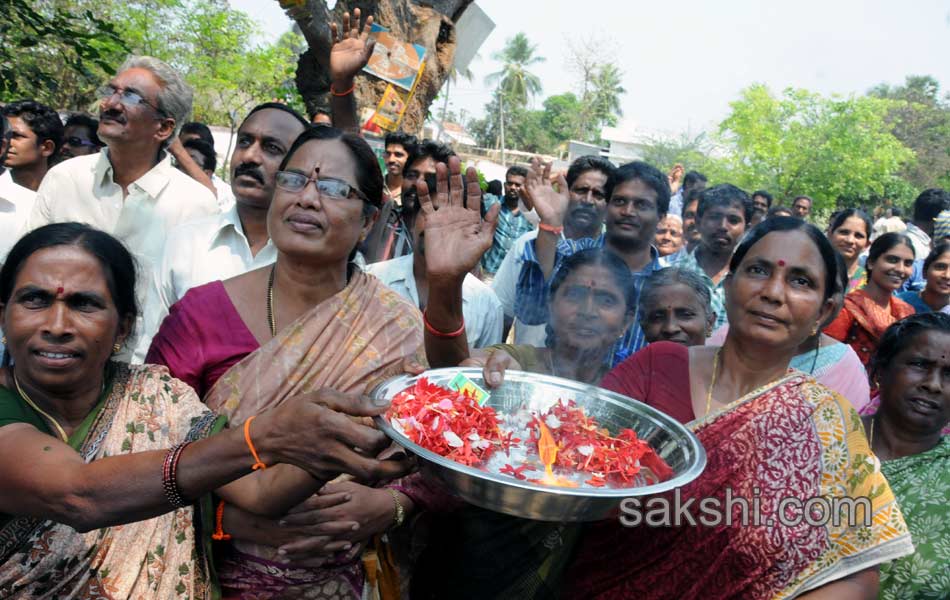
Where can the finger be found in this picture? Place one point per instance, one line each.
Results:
(335, 529)
(346, 25)
(412, 366)
(314, 503)
(535, 163)
(367, 28)
(562, 184)
(487, 232)
(353, 552)
(354, 405)
(473, 191)
(334, 33)
(441, 186)
(320, 545)
(473, 362)
(372, 471)
(422, 193)
(368, 50)
(546, 175)
(495, 367)
(355, 32)
(456, 186)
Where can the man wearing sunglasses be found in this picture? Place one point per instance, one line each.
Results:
(80, 138)
(130, 189)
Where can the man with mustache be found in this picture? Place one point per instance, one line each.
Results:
(406, 275)
(761, 203)
(586, 185)
(638, 197)
(398, 145)
(723, 214)
(235, 241)
(36, 135)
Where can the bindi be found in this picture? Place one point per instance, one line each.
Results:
(59, 291)
(781, 263)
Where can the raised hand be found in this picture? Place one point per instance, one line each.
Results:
(676, 177)
(550, 204)
(455, 233)
(350, 49)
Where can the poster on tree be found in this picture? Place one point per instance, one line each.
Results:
(395, 61)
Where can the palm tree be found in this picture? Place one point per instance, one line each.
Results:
(607, 90)
(515, 83)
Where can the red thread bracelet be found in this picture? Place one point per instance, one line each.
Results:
(442, 334)
(219, 524)
(258, 464)
(346, 93)
(551, 228)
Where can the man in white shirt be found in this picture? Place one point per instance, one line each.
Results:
(236, 241)
(406, 275)
(927, 207)
(16, 201)
(130, 189)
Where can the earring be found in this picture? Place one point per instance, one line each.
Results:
(3, 340)
(814, 331)
(116, 348)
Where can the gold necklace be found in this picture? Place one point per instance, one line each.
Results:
(712, 381)
(59, 428)
(271, 318)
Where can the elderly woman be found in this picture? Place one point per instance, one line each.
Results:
(102, 463)
(312, 320)
(676, 306)
(936, 294)
(669, 240)
(870, 310)
(770, 434)
(911, 364)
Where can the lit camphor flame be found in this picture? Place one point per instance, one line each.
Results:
(547, 451)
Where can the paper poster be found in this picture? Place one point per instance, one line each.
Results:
(393, 60)
(391, 107)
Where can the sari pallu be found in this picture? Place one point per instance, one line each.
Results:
(792, 439)
(350, 342)
(146, 410)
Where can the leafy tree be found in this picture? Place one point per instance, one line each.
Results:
(604, 98)
(562, 117)
(803, 143)
(514, 79)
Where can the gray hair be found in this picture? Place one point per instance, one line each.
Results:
(174, 98)
(671, 276)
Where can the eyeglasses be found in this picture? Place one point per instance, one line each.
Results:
(128, 98)
(327, 186)
(78, 141)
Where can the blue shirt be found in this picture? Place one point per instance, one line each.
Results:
(531, 302)
(511, 226)
(914, 299)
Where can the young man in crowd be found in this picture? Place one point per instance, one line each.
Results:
(927, 207)
(36, 135)
(406, 275)
(16, 201)
(587, 189)
(512, 223)
(79, 137)
(235, 241)
(131, 189)
(801, 207)
(691, 235)
(693, 180)
(761, 203)
(203, 154)
(398, 146)
(638, 197)
(723, 214)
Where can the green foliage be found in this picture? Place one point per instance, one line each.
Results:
(803, 143)
(514, 80)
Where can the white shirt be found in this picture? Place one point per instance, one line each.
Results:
(83, 189)
(505, 286)
(919, 239)
(209, 249)
(16, 202)
(225, 195)
(480, 307)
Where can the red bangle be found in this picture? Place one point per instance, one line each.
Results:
(219, 525)
(346, 93)
(442, 334)
(551, 228)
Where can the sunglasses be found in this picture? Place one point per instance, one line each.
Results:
(78, 141)
(128, 98)
(327, 186)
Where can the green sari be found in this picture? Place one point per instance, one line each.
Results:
(921, 484)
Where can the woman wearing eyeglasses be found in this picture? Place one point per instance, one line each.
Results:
(313, 320)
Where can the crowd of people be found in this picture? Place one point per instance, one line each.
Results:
(186, 358)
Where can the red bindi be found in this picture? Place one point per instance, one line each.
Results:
(59, 290)
(781, 263)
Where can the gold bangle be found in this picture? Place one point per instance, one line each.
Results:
(399, 512)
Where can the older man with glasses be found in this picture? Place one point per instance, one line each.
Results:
(130, 189)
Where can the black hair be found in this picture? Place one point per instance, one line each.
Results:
(495, 187)
(884, 243)
(199, 129)
(516, 170)
(930, 203)
(649, 175)
(280, 107)
(116, 261)
(437, 151)
(896, 211)
(42, 120)
(661, 278)
(692, 178)
(691, 196)
(369, 177)
(598, 257)
(941, 248)
(827, 251)
(843, 215)
(803, 197)
(779, 211)
(206, 150)
(588, 163)
(902, 334)
(89, 122)
(724, 194)
(768, 197)
(399, 138)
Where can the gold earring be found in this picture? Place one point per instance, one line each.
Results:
(814, 331)
(116, 348)
(3, 340)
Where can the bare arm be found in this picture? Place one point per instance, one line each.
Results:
(551, 205)
(192, 169)
(858, 586)
(350, 51)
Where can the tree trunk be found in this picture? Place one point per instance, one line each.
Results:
(432, 27)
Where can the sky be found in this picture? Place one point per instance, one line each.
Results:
(684, 62)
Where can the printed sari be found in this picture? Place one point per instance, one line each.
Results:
(350, 342)
(861, 322)
(792, 439)
(164, 557)
(921, 484)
